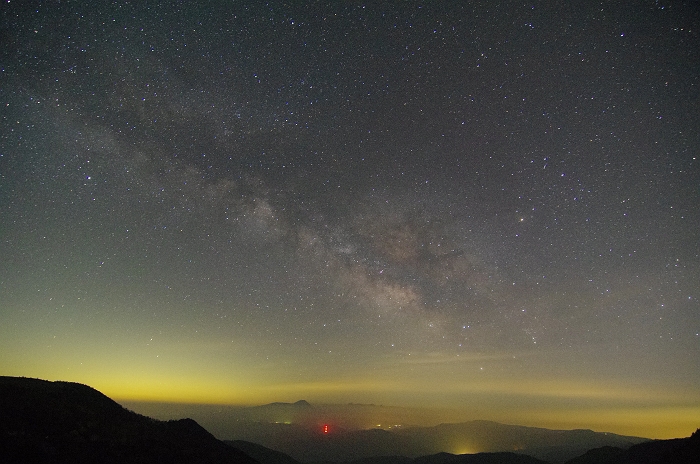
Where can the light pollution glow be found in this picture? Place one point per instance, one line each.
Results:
(126, 375)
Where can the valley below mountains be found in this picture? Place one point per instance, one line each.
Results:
(62, 422)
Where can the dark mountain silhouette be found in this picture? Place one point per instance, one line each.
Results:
(223, 421)
(306, 443)
(555, 446)
(262, 454)
(675, 451)
(478, 458)
(447, 458)
(381, 460)
(598, 455)
(297, 404)
(63, 422)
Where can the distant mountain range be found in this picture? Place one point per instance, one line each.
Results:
(62, 422)
(310, 444)
(296, 430)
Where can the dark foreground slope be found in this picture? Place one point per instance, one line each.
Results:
(262, 454)
(62, 422)
(675, 451)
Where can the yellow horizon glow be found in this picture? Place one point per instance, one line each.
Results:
(171, 374)
(645, 419)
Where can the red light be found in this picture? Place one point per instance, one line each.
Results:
(325, 429)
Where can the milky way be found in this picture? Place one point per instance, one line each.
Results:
(489, 209)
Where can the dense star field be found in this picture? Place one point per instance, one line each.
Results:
(493, 209)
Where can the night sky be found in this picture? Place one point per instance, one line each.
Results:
(488, 207)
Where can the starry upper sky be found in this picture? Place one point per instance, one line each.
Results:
(487, 207)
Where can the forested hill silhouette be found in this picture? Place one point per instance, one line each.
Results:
(675, 451)
(63, 422)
